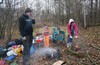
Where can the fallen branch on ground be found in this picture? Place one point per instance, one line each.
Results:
(95, 47)
(76, 53)
(91, 60)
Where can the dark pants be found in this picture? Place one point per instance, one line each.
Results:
(26, 52)
(69, 40)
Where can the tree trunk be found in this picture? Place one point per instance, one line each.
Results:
(99, 4)
(91, 11)
(84, 15)
(96, 8)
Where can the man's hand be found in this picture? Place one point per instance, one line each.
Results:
(24, 38)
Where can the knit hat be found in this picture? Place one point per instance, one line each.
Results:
(28, 10)
(46, 27)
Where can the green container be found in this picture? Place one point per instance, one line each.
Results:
(14, 63)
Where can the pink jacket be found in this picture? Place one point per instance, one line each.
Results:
(75, 28)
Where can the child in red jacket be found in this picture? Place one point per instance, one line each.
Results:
(72, 31)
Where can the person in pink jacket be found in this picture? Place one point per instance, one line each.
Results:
(72, 31)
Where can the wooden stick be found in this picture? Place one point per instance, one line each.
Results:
(95, 47)
(92, 62)
(80, 55)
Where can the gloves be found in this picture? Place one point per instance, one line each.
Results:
(76, 36)
(71, 37)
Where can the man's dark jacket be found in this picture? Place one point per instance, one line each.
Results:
(25, 25)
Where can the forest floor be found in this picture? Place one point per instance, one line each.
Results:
(89, 53)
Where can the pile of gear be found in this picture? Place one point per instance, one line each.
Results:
(11, 50)
(14, 48)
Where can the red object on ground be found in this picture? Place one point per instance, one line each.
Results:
(77, 48)
(14, 47)
(38, 40)
(2, 62)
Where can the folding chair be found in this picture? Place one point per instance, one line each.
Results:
(58, 35)
(62, 36)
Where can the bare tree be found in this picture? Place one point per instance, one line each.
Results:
(9, 18)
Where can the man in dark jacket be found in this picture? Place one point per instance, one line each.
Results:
(26, 30)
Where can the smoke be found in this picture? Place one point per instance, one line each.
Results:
(45, 53)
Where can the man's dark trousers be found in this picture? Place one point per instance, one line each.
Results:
(26, 52)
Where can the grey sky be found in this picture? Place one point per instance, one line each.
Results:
(43, 4)
(0, 0)
(32, 3)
